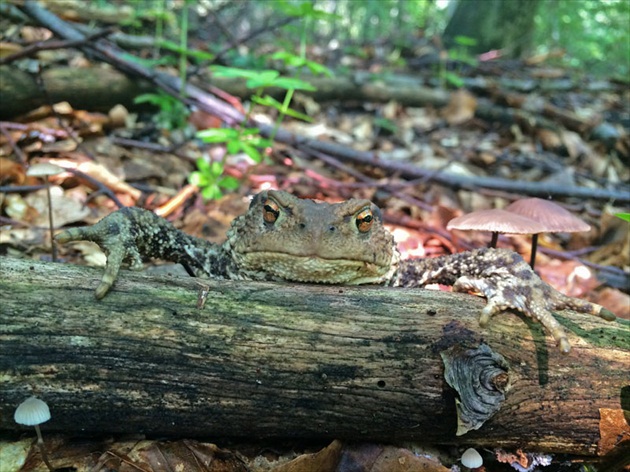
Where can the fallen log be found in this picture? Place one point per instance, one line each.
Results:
(292, 361)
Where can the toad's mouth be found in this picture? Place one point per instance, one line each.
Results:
(314, 269)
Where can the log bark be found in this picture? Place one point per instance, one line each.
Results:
(96, 89)
(300, 361)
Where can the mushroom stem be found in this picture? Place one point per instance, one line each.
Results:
(50, 223)
(42, 448)
(532, 259)
(495, 238)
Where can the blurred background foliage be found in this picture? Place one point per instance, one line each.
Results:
(593, 35)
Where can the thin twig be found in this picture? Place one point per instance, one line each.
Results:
(53, 44)
(16, 149)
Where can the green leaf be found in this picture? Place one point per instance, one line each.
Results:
(232, 72)
(216, 168)
(289, 59)
(198, 179)
(386, 124)
(252, 152)
(249, 131)
(229, 183)
(203, 165)
(174, 47)
(260, 142)
(319, 69)
(623, 216)
(454, 79)
(217, 135)
(297, 114)
(266, 78)
(212, 192)
(233, 147)
(152, 98)
(465, 41)
(293, 83)
(305, 10)
(150, 63)
(268, 101)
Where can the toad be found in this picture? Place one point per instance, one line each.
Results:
(284, 238)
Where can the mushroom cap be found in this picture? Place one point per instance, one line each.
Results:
(497, 220)
(553, 217)
(471, 458)
(32, 412)
(43, 169)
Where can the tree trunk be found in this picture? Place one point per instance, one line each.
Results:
(284, 360)
(494, 24)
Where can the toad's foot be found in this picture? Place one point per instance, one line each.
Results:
(132, 235)
(114, 236)
(506, 280)
(535, 299)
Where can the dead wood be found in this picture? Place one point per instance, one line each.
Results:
(280, 360)
(100, 89)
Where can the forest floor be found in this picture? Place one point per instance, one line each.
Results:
(577, 136)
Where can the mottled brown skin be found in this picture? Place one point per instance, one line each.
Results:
(284, 238)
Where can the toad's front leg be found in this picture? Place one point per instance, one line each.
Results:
(132, 235)
(505, 279)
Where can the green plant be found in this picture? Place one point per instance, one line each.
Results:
(244, 138)
(623, 216)
(209, 176)
(172, 113)
(237, 140)
(460, 54)
(210, 179)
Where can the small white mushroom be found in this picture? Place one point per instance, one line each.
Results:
(46, 169)
(33, 412)
(471, 458)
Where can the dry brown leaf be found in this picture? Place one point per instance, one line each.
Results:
(574, 144)
(188, 455)
(64, 145)
(64, 209)
(394, 459)
(100, 173)
(33, 34)
(460, 108)
(338, 457)
(19, 209)
(615, 301)
(550, 140)
(6, 49)
(613, 430)
(12, 172)
(569, 277)
(326, 459)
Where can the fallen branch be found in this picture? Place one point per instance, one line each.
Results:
(194, 96)
(279, 360)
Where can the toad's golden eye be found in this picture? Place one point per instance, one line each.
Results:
(271, 211)
(364, 220)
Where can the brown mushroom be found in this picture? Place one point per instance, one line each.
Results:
(497, 221)
(552, 217)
